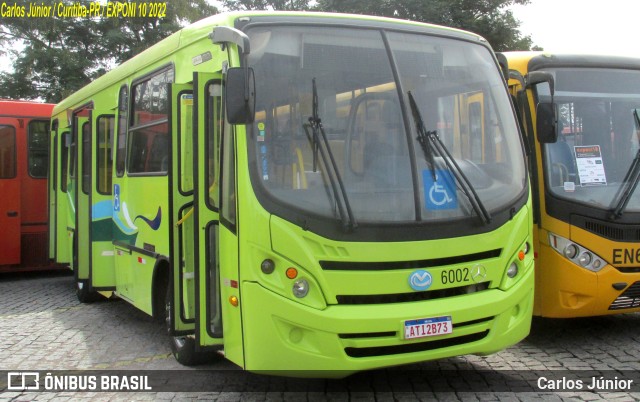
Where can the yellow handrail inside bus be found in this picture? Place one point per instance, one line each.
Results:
(185, 217)
(298, 169)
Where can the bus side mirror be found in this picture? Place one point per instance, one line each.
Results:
(504, 65)
(547, 122)
(240, 95)
(539, 77)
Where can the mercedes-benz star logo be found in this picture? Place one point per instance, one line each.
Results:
(478, 273)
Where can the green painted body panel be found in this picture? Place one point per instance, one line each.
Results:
(144, 205)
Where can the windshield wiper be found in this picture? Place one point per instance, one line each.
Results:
(317, 131)
(430, 143)
(630, 181)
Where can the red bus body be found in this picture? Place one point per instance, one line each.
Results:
(24, 143)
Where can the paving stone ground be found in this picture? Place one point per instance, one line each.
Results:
(44, 328)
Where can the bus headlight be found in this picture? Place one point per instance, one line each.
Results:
(576, 253)
(585, 259)
(300, 288)
(512, 271)
(571, 251)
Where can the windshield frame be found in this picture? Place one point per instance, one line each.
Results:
(386, 231)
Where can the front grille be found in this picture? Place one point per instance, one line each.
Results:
(604, 230)
(608, 230)
(397, 265)
(628, 270)
(413, 296)
(414, 347)
(630, 298)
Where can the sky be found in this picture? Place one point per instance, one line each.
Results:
(582, 26)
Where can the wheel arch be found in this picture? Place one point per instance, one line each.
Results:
(160, 282)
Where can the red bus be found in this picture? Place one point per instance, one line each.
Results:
(24, 164)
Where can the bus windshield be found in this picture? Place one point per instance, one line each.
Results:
(598, 136)
(362, 78)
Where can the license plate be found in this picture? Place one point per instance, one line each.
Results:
(427, 327)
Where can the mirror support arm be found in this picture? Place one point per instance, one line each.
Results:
(223, 35)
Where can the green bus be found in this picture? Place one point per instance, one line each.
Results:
(305, 193)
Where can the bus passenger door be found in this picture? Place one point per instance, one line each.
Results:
(61, 211)
(10, 213)
(101, 253)
(183, 225)
(216, 251)
(51, 190)
(80, 183)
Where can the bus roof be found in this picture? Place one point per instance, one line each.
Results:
(18, 108)
(201, 29)
(540, 60)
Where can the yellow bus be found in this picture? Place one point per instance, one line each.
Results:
(579, 113)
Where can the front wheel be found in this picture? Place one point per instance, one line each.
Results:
(83, 293)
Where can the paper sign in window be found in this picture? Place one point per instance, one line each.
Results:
(590, 165)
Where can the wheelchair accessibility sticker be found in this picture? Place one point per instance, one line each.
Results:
(439, 193)
(116, 197)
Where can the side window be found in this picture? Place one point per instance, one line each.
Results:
(86, 157)
(72, 154)
(214, 131)
(104, 159)
(65, 140)
(149, 130)
(185, 154)
(123, 100)
(7, 152)
(38, 152)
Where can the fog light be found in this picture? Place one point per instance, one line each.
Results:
(585, 259)
(571, 251)
(267, 266)
(300, 288)
(513, 270)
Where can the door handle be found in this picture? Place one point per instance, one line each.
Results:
(12, 214)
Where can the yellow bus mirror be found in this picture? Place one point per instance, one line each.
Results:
(504, 65)
(539, 77)
(547, 122)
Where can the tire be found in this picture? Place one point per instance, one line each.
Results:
(83, 293)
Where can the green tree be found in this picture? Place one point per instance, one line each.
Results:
(57, 56)
(488, 18)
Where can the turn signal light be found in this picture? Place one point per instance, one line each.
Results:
(291, 273)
